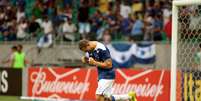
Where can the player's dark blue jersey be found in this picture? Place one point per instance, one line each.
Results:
(101, 53)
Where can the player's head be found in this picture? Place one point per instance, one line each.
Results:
(14, 48)
(84, 45)
(19, 47)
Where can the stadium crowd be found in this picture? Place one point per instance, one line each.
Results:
(71, 20)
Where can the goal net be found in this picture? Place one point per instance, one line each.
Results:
(186, 51)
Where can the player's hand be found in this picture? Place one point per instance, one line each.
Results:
(92, 61)
(85, 59)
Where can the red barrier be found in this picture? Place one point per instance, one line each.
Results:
(150, 85)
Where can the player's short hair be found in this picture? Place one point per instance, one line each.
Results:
(14, 47)
(83, 43)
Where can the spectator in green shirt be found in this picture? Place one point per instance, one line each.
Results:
(19, 61)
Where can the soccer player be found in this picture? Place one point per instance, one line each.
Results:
(98, 55)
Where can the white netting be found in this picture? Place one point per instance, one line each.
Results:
(189, 53)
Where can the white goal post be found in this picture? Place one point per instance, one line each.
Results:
(174, 57)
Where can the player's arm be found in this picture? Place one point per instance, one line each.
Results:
(6, 61)
(9, 60)
(12, 62)
(85, 59)
(106, 64)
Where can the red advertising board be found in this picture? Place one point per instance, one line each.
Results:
(149, 85)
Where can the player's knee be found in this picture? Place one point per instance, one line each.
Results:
(99, 98)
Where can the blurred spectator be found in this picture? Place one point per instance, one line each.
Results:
(2, 13)
(158, 26)
(59, 18)
(68, 11)
(68, 2)
(4, 2)
(125, 10)
(148, 28)
(38, 9)
(113, 23)
(83, 18)
(168, 28)
(47, 25)
(8, 35)
(137, 7)
(93, 8)
(125, 25)
(137, 29)
(106, 37)
(68, 30)
(166, 13)
(33, 27)
(47, 39)
(157, 9)
(103, 6)
(49, 9)
(97, 25)
(20, 3)
(21, 29)
(10, 12)
(12, 33)
(20, 13)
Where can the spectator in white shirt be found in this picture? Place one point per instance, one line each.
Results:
(46, 40)
(125, 10)
(21, 29)
(47, 26)
(68, 30)
(20, 14)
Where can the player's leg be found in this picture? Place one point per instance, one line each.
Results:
(100, 97)
(104, 92)
(124, 97)
(104, 88)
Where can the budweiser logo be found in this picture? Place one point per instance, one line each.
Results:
(43, 85)
(144, 90)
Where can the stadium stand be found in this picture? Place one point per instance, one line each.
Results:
(127, 19)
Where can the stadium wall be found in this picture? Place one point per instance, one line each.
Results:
(69, 55)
